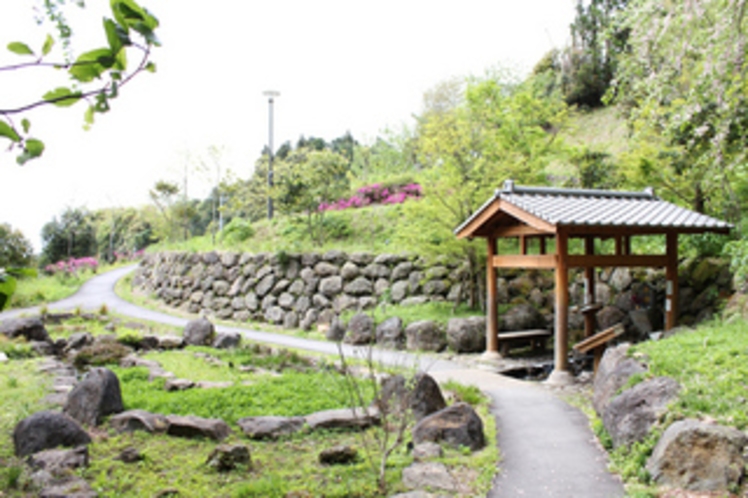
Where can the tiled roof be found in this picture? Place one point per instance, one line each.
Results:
(576, 207)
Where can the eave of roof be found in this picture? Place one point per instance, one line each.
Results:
(586, 210)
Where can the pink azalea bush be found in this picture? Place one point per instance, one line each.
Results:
(72, 266)
(375, 194)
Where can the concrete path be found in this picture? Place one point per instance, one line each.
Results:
(547, 448)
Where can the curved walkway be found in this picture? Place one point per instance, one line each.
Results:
(547, 448)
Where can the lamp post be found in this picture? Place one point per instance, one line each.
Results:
(270, 94)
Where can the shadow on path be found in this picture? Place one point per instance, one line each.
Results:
(547, 447)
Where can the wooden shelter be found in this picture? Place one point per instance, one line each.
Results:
(536, 214)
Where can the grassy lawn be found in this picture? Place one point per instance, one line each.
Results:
(279, 382)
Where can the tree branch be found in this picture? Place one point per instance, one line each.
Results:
(82, 95)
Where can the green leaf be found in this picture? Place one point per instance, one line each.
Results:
(32, 149)
(7, 131)
(88, 117)
(62, 97)
(91, 65)
(20, 48)
(48, 44)
(26, 124)
(116, 36)
(151, 67)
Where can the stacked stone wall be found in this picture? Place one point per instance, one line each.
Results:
(302, 290)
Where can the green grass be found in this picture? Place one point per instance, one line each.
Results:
(369, 229)
(711, 364)
(22, 389)
(33, 291)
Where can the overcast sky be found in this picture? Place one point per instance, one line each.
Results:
(358, 66)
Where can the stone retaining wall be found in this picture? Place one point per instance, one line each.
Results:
(302, 290)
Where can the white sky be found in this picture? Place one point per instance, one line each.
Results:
(358, 66)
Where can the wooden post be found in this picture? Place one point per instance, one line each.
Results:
(492, 320)
(560, 374)
(589, 288)
(523, 245)
(542, 244)
(671, 281)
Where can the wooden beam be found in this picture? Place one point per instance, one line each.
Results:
(671, 282)
(485, 215)
(589, 288)
(517, 230)
(603, 260)
(527, 218)
(530, 261)
(561, 346)
(492, 308)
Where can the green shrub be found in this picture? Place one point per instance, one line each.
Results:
(100, 354)
(238, 230)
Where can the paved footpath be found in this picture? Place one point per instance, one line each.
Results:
(547, 448)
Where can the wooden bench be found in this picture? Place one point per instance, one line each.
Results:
(598, 342)
(535, 338)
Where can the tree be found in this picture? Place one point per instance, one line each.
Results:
(178, 214)
(501, 130)
(15, 248)
(307, 178)
(96, 76)
(72, 236)
(682, 87)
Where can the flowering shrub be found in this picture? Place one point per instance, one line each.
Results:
(375, 194)
(72, 266)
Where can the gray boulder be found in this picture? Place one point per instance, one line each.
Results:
(325, 269)
(47, 430)
(360, 286)
(191, 426)
(200, 332)
(522, 317)
(59, 462)
(270, 427)
(390, 333)
(95, 397)
(421, 395)
(428, 475)
(467, 335)
(32, 329)
(360, 329)
(427, 397)
(336, 330)
(227, 340)
(609, 316)
(697, 456)
(425, 335)
(344, 418)
(613, 373)
(227, 457)
(331, 286)
(139, 420)
(457, 425)
(629, 417)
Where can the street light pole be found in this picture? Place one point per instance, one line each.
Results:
(270, 94)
